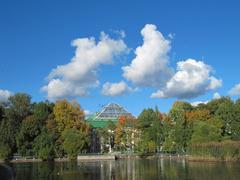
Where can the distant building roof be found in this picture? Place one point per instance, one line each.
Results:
(110, 112)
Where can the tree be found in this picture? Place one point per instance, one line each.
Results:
(68, 115)
(28, 131)
(1, 113)
(198, 115)
(119, 133)
(18, 108)
(126, 133)
(146, 118)
(226, 113)
(53, 129)
(7, 138)
(204, 132)
(182, 130)
(31, 127)
(169, 144)
(5, 151)
(75, 142)
(168, 126)
(150, 125)
(20, 104)
(44, 146)
(41, 111)
(214, 104)
(235, 125)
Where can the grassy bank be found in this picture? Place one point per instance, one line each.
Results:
(215, 151)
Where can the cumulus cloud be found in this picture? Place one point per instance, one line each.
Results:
(150, 68)
(150, 65)
(235, 90)
(216, 95)
(58, 88)
(116, 89)
(4, 95)
(192, 78)
(80, 74)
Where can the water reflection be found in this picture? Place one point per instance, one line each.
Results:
(6, 172)
(127, 170)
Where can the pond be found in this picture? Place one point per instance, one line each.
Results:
(127, 170)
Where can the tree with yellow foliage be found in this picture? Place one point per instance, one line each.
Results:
(69, 120)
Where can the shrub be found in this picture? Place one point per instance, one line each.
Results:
(225, 150)
(5, 151)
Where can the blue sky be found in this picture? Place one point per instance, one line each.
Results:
(36, 38)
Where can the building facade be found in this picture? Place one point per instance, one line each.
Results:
(103, 127)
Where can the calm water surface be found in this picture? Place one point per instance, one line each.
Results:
(127, 170)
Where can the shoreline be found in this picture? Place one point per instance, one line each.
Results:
(125, 156)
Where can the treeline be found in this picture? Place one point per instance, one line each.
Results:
(48, 130)
(185, 129)
(44, 130)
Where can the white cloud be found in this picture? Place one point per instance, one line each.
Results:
(216, 95)
(87, 112)
(196, 103)
(214, 83)
(58, 88)
(116, 89)
(235, 90)
(121, 33)
(193, 78)
(4, 95)
(150, 66)
(171, 35)
(76, 77)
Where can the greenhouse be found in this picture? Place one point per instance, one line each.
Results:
(109, 113)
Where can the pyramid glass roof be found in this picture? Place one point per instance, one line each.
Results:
(110, 112)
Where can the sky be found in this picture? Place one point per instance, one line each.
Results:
(139, 54)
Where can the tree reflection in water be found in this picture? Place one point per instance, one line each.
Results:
(129, 169)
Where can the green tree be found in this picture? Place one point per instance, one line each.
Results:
(168, 126)
(182, 131)
(74, 142)
(169, 144)
(20, 104)
(5, 151)
(28, 131)
(146, 117)
(204, 132)
(31, 127)
(151, 127)
(214, 104)
(235, 124)
(41, 111)
(226, 113)
(53, 129)
(44, 146)
(7, 138)
(18, 108)
(1, 113)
